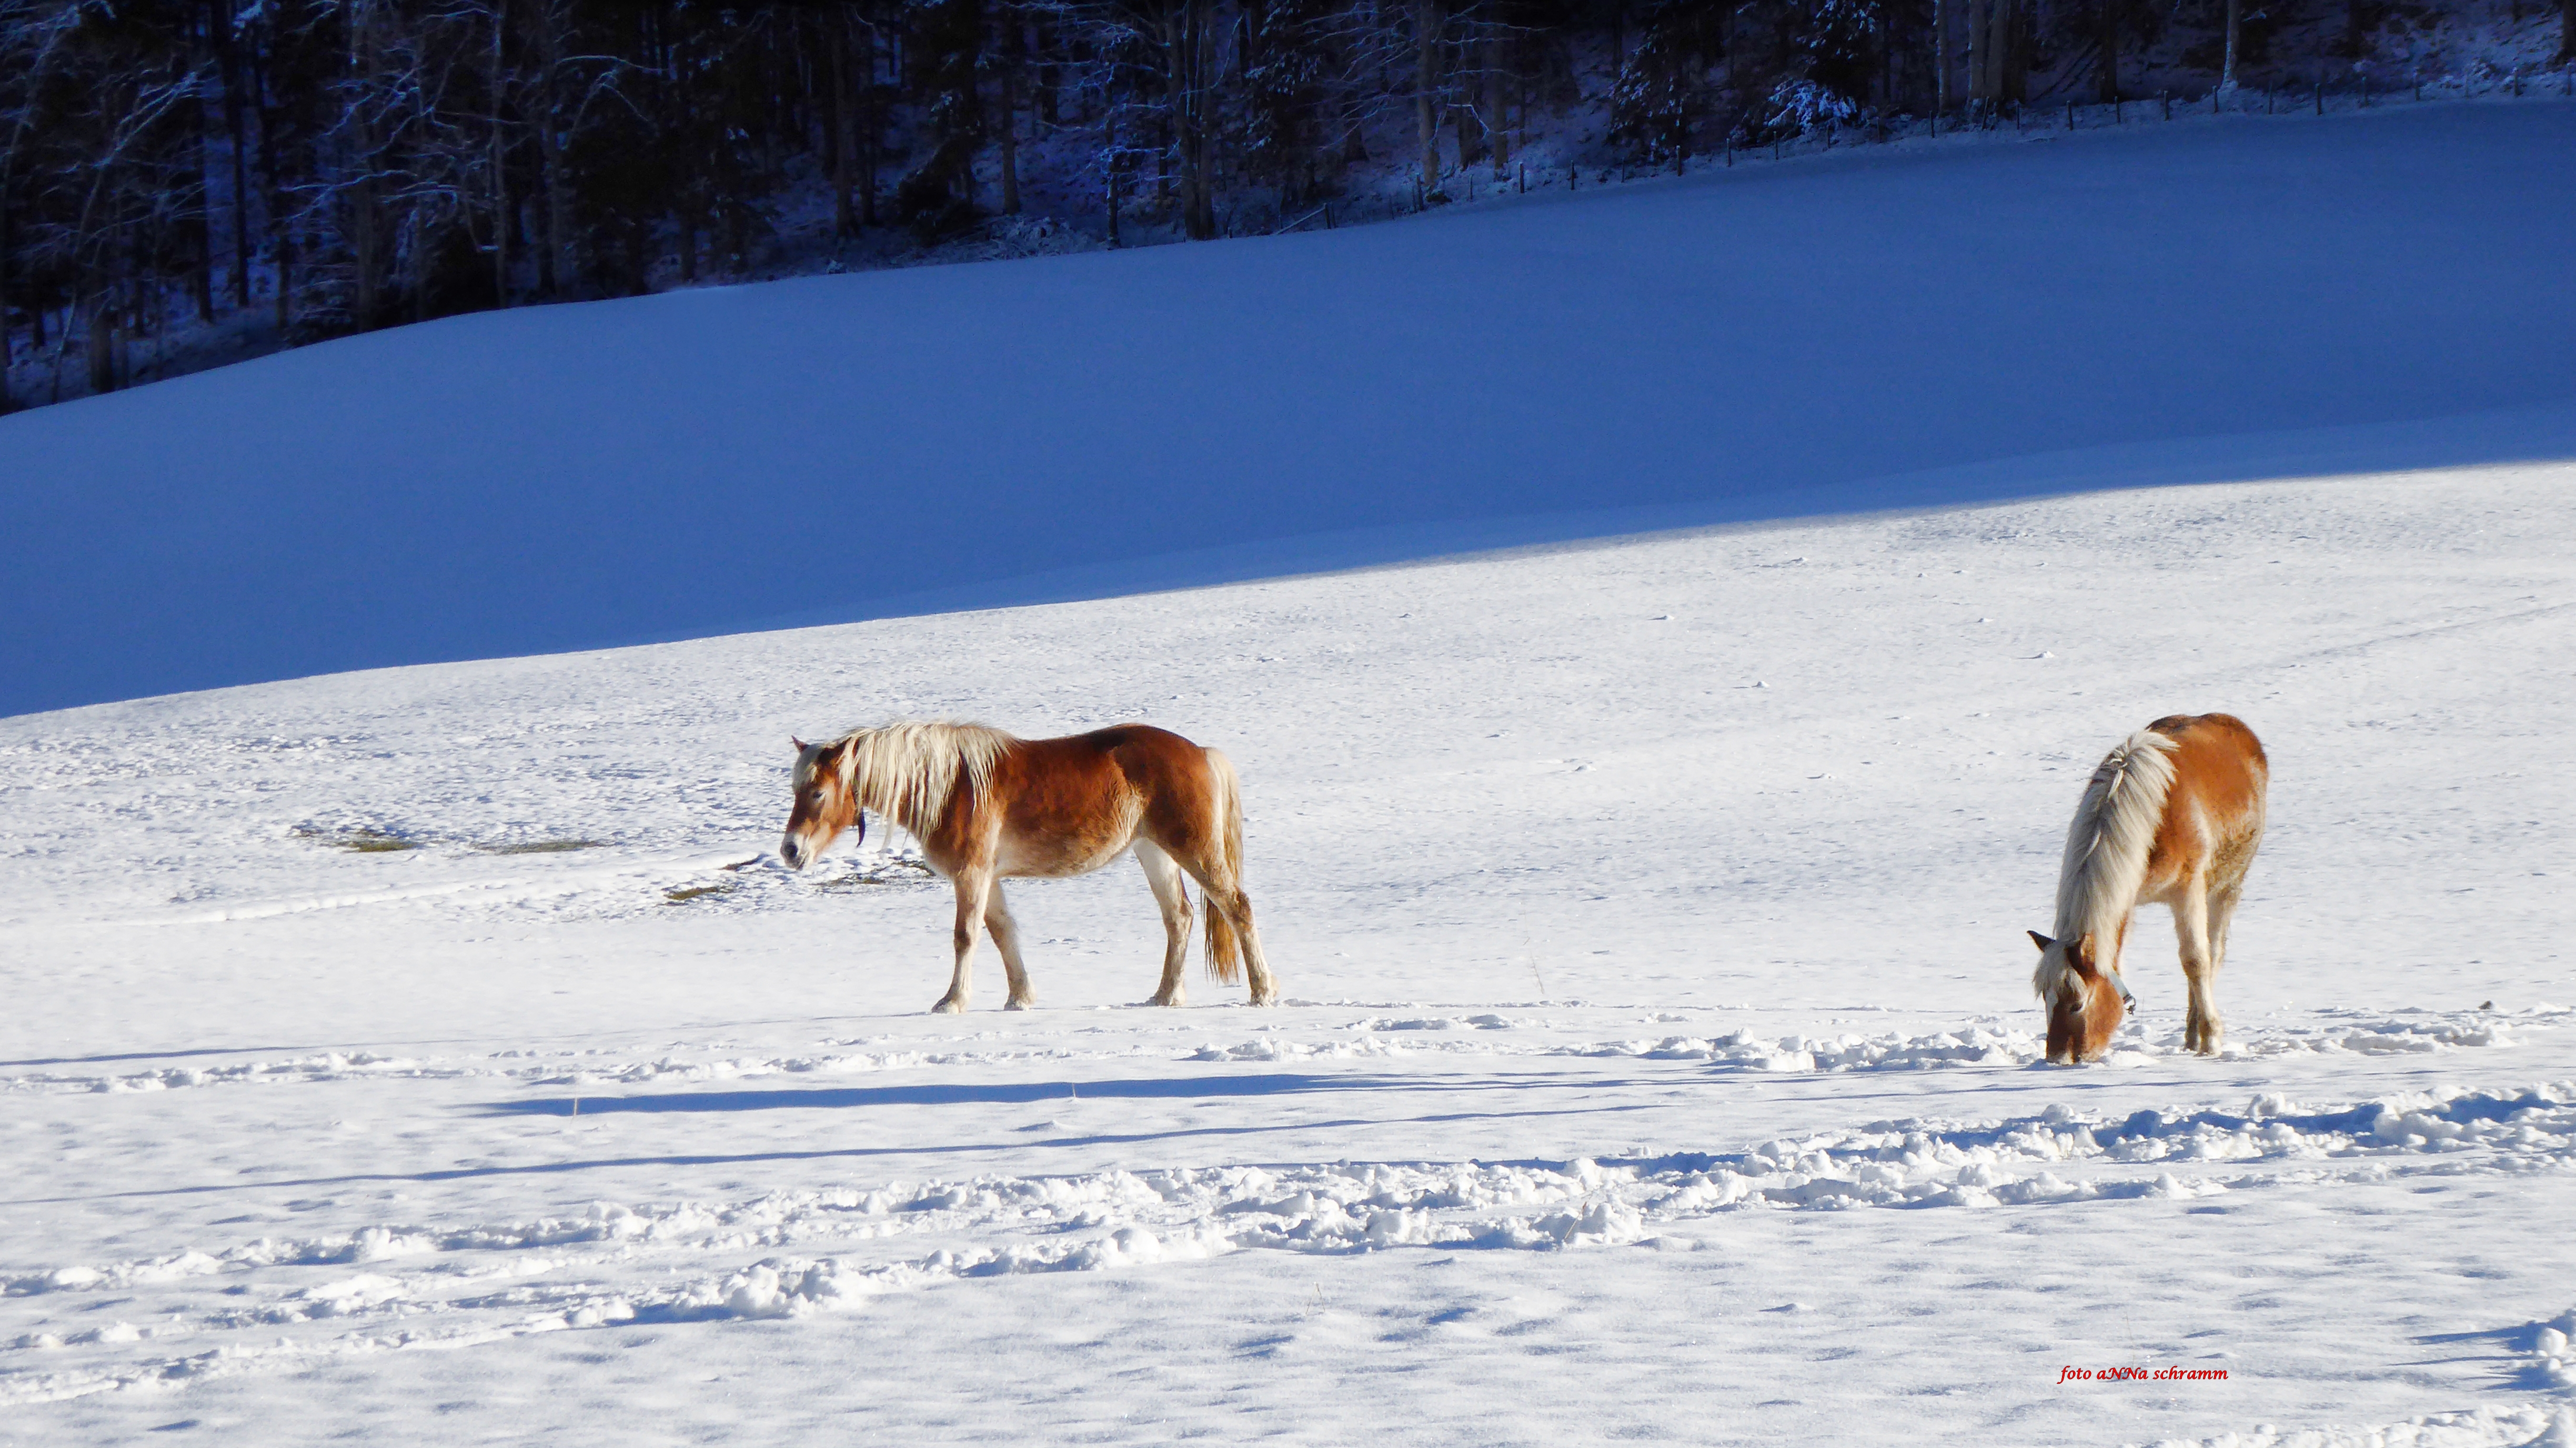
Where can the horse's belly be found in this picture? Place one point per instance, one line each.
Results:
(1060, 856)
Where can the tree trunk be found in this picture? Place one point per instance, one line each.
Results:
(2566, 30)
(98, 346)
(1426, 86)
(872, 137)
(229, 64)
(1185, 117)
(281, 216)
(1999, 68)
(2235, 19)
(1471, 121)
(36, 314)
(1978, 52)
(364, 223)
(554, 260)
(1010, 143)
(2109, 16)
(1496, 99)
(419, 267)
(1941, 55)
(837, 135)
(201, 230)
(500, 160)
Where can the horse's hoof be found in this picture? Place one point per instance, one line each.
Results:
(949, 1006)
(1170, 1000)
(1018, 1003)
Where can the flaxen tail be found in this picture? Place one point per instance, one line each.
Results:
(1224, 946)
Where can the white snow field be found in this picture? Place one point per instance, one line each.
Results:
(438, 1055)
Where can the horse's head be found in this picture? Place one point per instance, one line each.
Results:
(2084, 1004)
(825, 804)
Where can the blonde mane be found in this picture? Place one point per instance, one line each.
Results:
(2114, 828)
(2107, 847)
(906, 771)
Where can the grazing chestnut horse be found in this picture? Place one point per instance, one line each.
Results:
(987, 807)
(2171, 817)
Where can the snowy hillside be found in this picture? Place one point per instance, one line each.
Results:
(435, 1054)
(1658, 1064)
(1745, 344)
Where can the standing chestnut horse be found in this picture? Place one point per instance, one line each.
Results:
(987, 807)
(2172, 817)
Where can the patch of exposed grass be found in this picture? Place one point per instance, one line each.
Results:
(683, 894)
(890, 872)
(546, 847)
(361, 841)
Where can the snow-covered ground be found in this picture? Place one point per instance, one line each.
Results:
(435, 1054)
(1658, 1060)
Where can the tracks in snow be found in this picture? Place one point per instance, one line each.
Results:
(277, 1303)
(1989, 1043)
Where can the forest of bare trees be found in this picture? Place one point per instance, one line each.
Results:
(328, 166)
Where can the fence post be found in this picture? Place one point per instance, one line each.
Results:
(2168, 105)
(2070, 113)
(1521, 187)
(2321, 93)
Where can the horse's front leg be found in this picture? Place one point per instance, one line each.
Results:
(1006, 939)
(974, 889)
(2202, 1029)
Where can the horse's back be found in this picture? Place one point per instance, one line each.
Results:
(1074, 802)
(2214, 814)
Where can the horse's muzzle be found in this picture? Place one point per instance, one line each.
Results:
(792, 850)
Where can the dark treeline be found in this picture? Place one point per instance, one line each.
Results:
(335, 165)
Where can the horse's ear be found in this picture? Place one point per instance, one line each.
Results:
(801, 745)
(2081, 952)
(2042, 941)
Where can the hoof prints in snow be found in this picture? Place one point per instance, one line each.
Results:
(2523, 1427)
(1489, 1034)
(259, 1304)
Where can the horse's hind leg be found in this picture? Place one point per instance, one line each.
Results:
(1006, 939)
(1174, 898)
(1265, 989)
(974, 890)
(1225, 895)
(2191, 911)
(2222, 913)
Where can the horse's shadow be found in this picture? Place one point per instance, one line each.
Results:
(2523, 1371)
(977, 1093)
